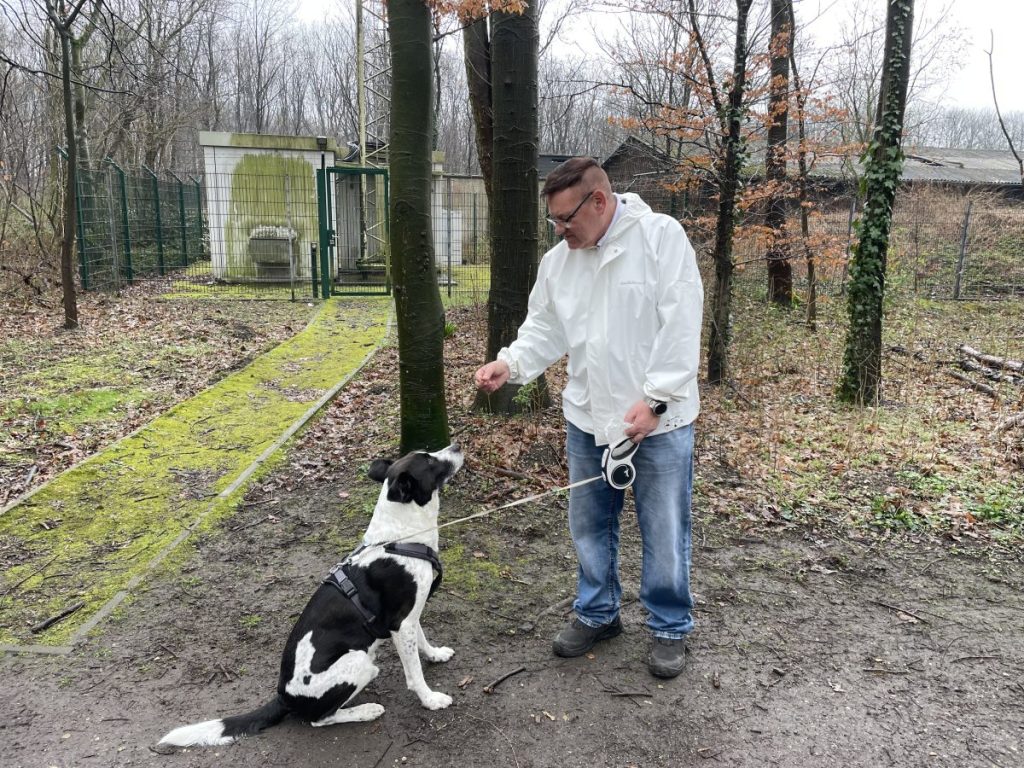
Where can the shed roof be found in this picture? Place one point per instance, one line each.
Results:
(969, 166)
(941, 165)
(922, 164)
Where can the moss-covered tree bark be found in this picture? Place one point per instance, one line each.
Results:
(418, 308)
(862, 360)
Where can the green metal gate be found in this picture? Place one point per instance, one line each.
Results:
(355, 244)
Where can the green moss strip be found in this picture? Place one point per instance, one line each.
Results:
(97, 530)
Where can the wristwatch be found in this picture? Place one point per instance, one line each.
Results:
(657, 406)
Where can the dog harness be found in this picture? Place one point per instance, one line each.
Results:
(338, 578)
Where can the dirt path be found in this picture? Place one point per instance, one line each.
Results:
(807, 653)
(811, 648)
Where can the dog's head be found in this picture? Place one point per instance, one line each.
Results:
(417, 476)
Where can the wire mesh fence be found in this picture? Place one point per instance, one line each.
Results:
(270, 235)
(136, 226)
(943, 244)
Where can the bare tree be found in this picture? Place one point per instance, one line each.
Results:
(854, 66)
(995, 103)
(731, 110)
(780, 271)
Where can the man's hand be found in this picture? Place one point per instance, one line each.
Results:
(640, 421)
(492, 376)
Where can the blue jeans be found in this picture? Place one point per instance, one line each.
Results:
(662, 490)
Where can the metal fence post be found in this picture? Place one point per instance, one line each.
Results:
(201, 253)
(476, 254)
(181, 219)
(448, 223)
(125, 229)
(325, 234)
(159, 224)
(313, 275)
(961, 261)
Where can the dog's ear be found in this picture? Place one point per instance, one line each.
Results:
(402, 488)
(379, 469)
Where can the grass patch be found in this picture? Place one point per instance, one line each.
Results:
(927, 459)
(100, 524)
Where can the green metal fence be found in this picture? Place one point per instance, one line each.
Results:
(294, 232)
(136, 225)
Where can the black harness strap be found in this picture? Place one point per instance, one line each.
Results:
(423, 552)
(338, 578)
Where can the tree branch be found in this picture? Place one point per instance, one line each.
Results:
(995, 101)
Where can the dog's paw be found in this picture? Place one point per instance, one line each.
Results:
(442, 653)
(436, 700)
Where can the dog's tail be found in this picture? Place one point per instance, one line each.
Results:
(213, 733)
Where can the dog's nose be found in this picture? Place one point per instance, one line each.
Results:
(455, 448)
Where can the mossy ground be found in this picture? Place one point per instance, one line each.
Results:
(92, 530)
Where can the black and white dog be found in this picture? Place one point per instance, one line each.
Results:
(375, 593)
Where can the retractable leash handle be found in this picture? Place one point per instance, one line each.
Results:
(617, 464)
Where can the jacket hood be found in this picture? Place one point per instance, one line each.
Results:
(633, 209)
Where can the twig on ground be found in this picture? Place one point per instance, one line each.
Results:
(36, 572)
(975, 658)
(559, 606)
(54, 619)
(167, 650)
(384, 753)
(502, 734)
(901, 610)
(490, 688)
(236, 528)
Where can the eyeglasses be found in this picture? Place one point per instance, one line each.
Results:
(567, 221)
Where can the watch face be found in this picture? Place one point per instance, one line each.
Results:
(657, 406)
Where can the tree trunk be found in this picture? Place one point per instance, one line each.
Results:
(67, 246)
(862, 361)
(803, 171)
(728, 185)
(780, 270)
(420, 314)
(477, 49)
(514, 220)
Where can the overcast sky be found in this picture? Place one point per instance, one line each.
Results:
(970, 87)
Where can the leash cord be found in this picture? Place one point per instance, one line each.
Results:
(486, 512)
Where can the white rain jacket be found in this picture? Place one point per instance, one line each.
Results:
(628, 313)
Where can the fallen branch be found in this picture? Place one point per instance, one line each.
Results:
(999, 362)
(989, 373)
(1008, 423)
(54, 619)
(976, 385)
(490, 688)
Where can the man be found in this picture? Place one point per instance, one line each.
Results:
(621, 295)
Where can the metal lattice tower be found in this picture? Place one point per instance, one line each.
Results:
(374, 81)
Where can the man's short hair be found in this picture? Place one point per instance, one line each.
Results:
(568, 174)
